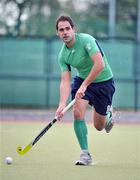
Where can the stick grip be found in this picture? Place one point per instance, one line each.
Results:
(67, 107)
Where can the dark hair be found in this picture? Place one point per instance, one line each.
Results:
(64, 18)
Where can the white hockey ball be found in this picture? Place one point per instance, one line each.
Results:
(8, 160)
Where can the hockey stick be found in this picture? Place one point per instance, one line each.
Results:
(22, 151)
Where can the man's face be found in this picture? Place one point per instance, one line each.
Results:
(65, 31)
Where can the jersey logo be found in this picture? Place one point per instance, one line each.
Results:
(73, 51)
(88, 46)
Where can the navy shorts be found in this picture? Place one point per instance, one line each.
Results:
(99, 94)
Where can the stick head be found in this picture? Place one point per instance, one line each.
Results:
(19, 150)
(23, 151)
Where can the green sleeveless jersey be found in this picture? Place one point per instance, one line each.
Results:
(79, 57)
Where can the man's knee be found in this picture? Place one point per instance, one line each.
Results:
(99, 123)
(76, 113)
(99, 127)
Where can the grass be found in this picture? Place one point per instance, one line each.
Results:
(116, 155)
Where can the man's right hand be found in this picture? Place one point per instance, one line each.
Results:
(59, 114)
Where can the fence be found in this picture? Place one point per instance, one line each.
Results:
(30, 74)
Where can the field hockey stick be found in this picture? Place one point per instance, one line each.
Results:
(22, 151)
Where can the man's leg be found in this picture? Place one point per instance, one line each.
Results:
(101, 121)
(81, 131)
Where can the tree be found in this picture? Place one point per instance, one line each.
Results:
(37, 17)
(126, 18)
(33, 9)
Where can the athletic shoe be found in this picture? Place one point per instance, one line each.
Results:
(110, 123)
(85, 159)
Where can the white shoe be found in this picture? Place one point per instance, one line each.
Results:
(85, 159)
(109, 125)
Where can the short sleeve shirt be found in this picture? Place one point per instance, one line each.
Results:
(79, 57)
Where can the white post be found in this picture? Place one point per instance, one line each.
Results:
(138, 22)
(112, 18)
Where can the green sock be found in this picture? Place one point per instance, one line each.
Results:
(81, 133)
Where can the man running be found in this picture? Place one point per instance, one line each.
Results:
(93, 84)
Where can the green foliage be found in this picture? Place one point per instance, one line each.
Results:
(90, 16)
(126, 18)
